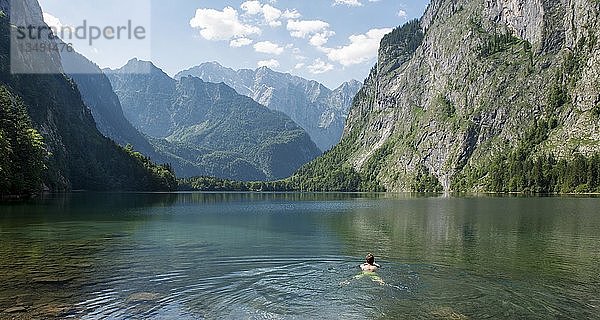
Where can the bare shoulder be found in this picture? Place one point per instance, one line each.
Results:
(368, 268)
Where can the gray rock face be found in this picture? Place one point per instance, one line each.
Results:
(98, 95)
(27, 12)
(149, 109)
(319, 110)
(483, 75)
(538, 21)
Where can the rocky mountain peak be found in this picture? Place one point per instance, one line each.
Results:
(136, 66)
(352, 85)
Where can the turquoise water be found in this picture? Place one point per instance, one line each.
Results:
(296, 256)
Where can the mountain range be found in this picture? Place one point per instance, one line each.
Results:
(201, 129)
(210, 126)
(320, 111)
(475, 96)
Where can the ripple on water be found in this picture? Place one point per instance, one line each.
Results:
(256, 287)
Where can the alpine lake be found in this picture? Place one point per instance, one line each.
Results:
(297, 256)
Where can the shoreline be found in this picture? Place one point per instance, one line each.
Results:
(17, 198)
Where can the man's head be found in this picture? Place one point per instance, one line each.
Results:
(370, 258)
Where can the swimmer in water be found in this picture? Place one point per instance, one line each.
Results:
(368, 270)
(370, 265)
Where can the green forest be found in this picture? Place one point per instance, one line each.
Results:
(24, 158)
(514, 173)
(407, 37)
(217, 184)
(520, 172)
(22, 151)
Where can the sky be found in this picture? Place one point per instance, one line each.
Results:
(331, 41)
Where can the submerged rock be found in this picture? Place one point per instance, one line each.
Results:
(448, 313)
(15, 310)
(57, 310)
(143, 297)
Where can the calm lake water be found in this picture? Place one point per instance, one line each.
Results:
(296, 256)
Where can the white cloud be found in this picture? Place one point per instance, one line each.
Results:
(252, 7)
(350, 3)
(402, 14)
(52, 21)
(268, 47)
(299, 66)
(304, 28)
(298, 54)
(316, 30)
(268, 63)
(291, 14)
(240, 42)
(221, 25)
(270, 14)
(56, 25)
(362, 48)
(320, 39)
(319, 66)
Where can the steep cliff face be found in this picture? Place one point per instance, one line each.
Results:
(317, 109)
(98, 95)
(472, 81)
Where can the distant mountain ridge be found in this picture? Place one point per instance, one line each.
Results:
(320, 111)
(210, 126)
(98, 95)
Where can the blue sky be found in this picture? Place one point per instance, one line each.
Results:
(330, 41)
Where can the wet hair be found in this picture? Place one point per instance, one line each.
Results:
(370, 258)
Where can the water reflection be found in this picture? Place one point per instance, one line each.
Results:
(276, 255)
(539, 255)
